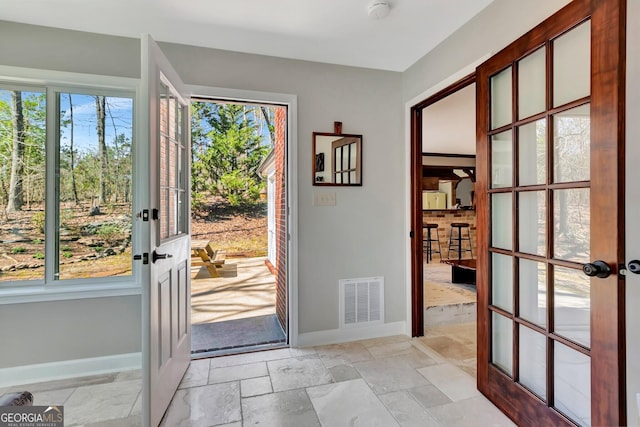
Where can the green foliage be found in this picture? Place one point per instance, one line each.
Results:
(37, 241)
(109, 232)
(18, 250)
(67, 254)
(37, 220)
(38, 255)
(227, 151)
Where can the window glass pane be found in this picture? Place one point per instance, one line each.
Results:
(532, 153)
(572, 65)
(94, 187)
(502, 281)
(502, 342)
(501, 220)
(22, 189)
(572, 384)
(572, 225)
(572, 145)
(532, 84)
(533, 361)
(501, 93)
(572, 305)
(173, 116)
(172, 166)
(532, 221)
(533, 291)
(163, 218)
(501, 160)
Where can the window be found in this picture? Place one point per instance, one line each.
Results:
(65, 185)
(173, 157)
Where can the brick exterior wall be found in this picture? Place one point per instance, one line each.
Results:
(280, 127)
(444, 220)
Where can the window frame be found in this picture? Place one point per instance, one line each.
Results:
(53, 83)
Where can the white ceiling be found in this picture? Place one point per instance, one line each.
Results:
(332, 31)
(449, 125)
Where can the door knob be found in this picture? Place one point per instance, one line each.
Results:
(156, 256)
(634, 266)
(597, 269)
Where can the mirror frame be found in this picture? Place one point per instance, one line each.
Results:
(319, 161)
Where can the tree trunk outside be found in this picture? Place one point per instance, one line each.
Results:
(15, 200)
(73, 159)
(102, 148)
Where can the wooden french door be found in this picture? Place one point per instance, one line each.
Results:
(550, 196)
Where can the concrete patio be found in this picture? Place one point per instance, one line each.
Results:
(245, 288)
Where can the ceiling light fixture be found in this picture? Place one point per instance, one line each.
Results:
(378, 9)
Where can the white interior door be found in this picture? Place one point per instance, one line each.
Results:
(166, 315)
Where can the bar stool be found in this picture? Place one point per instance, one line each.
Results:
(427, 244)
(457, 239)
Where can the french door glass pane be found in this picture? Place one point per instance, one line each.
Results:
(572, 305)
(502, 281)
(531, 84)
(502, 342)
(501, 220)
(501, 105)
(533, 361)
(533, 291)
(532, 153)
(532, 222)
(501, 160)
(571, 145)
(572, 383)
(572, 65)
(571, 225)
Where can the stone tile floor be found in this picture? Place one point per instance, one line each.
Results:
(393, 381)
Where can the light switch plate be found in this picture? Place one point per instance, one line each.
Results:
(324, 199)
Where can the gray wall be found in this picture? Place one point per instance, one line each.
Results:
(66, 330)
(363, 234)
(633, 209)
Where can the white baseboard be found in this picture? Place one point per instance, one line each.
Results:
(42, 372)
(335, 336)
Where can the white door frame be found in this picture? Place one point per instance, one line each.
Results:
(291, 101)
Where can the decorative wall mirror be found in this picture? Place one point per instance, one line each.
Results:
(337, 158)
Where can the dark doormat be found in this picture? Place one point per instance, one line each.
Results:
(236, 334)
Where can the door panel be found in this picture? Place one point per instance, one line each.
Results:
(550, 338)
(166, 291)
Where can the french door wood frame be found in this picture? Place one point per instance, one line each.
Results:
(607, 100)
(417, 255)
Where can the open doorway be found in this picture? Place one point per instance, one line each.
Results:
(443, 212)
(238, 226)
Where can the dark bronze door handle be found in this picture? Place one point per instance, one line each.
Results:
(156, 256)
(597, 269)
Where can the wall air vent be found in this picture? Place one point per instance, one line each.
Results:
(361, 302)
